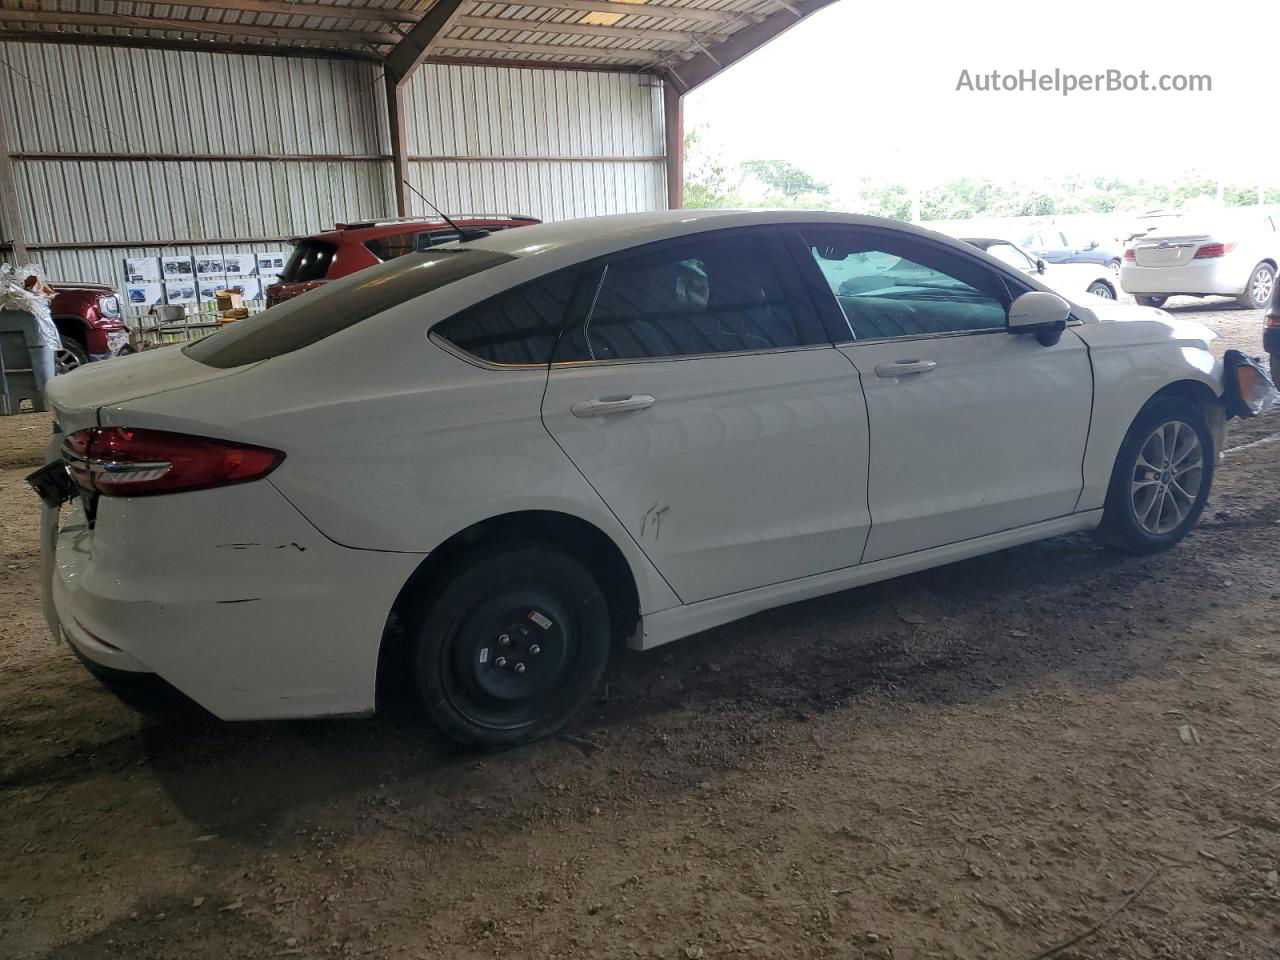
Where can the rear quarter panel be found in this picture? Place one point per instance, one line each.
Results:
(1132, 361)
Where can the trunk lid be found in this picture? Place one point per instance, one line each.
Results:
(77, 397)
(1168, 251)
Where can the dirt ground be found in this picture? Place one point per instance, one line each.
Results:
(981, 761)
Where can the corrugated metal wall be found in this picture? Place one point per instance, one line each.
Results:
(180, 152)
(297, 119)
(550, 143)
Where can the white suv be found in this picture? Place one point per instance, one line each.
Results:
(1230, 254)
(480, 465)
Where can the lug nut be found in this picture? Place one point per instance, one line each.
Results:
(504, 640)
(534, 649)
(500, 662)
(519, 668)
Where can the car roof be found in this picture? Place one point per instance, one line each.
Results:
(984, 242)
(592, 235)
(391, 228)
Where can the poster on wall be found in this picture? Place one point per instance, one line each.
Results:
(141, 269)
(238, 264)
(248, 287)
(145, 294)
(209, 287)
(176, 268)
(270, 264)
(210, 265)
(180, 291)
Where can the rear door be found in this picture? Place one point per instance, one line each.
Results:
(698, 393)
(973, 430)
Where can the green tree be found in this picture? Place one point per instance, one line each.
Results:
(708, 180)
(879, 199)
(786, 185)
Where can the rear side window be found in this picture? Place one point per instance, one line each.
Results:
(715, 293)
(516, 327)
(302, 321)
(388, 248)
(310, 261)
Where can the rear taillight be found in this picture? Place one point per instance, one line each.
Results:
(1130, 255)
(1214, 250)
(1273, 321)
(122, 462)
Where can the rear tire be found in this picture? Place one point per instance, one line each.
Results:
(1257, 292)
(1161, 478)
(511, 648)
(1146, 301)
(1102, 289)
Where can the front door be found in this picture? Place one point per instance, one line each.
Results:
(973, 430)
(700, 397)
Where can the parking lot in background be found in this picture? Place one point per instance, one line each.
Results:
(980, 761)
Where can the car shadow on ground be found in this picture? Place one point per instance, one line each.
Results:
(953, 634)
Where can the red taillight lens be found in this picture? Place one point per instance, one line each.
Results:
(1130, 255)
(1273, 320)
(1214, 250)
(121, 462)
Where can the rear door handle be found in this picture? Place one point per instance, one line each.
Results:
(903, 368)
(601, 406)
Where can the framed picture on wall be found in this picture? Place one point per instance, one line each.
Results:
(144, 294)
(239, 264)
(210, 265)
(141, 269)
(180, 291)
(176, 268)
(270, 264)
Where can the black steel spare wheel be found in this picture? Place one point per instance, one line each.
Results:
(513, 647)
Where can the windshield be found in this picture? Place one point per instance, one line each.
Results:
(310, 261)
(304, 320)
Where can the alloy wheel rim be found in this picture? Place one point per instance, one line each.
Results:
(1263, 282)
(64, 361)
(1104, 292)
(1167, 477)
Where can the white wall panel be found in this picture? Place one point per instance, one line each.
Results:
(546, 189)
(87, 99)
(500, 112)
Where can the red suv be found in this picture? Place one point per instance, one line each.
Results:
(353, 246)
(88, 318)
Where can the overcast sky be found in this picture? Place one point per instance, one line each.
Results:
(869, 89)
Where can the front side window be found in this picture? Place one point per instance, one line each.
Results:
(896, 286)
(714, 293)
(516, 327)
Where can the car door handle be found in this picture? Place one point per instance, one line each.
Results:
(601, 406)
(903, 368)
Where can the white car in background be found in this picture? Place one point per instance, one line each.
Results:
(1069, 279)
(480, 466)
(1224, 254)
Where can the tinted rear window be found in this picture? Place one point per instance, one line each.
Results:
(310, 261)
(304, 320)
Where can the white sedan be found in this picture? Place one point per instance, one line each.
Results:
(1230, 253)
(1069, 279)
(481, 465)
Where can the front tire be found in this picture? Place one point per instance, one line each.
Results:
(1146, 301)
(512, 648)
(70, 357)
(1161, 478)
(1257, 292)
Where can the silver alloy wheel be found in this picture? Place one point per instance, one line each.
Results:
(1261, 285)
(64, 361)
(1167, 477)
(1103, 291)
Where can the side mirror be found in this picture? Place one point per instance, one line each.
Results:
(1040, 266)
(1041, 313)
(1093, 245)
